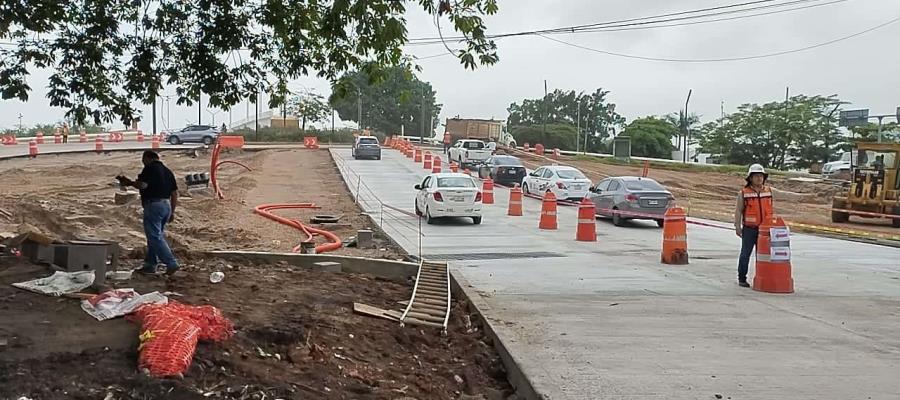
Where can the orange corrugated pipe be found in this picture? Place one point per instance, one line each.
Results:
(335, 242)
(214, 168)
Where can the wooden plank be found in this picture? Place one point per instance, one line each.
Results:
(372, 311)
(416, 321)
(425, 317)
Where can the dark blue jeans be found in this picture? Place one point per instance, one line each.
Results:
(749, 235)
(156, 215)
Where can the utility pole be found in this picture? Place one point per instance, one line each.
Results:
(154, 115)
(544, 113)
(578, 125)
(332, 122)
(359, 109)
(20, 124)
(256, 103)
(199, 108)
(722, 121)
(686, 133)
(880, 119)
(422, 110)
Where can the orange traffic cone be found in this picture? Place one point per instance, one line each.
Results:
(82, 137)
(548, 211)
(98, 144)
(539, 149)
(154, 142)
(436, 165)
(454, 167)
(488, 190)
(409, 151)
(427, 162)
(646, 172)
(32, 149)
(417, 157)
(40, 137)
(515, 202)
(587, 222)
(140, 136)
(773, 258)
(57, 137)
(674, 247)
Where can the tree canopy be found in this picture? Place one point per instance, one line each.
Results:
(106, 55)
(651, 137)
(399, 98)
(309, 107)
(792, 133)
(598, 115)
(561, 136)
(890, 132)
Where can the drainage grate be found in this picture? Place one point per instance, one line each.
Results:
(490, 256)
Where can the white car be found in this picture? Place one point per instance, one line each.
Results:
(469, 152)
(564, 182)
(448, 195)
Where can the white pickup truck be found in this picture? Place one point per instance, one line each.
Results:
(469, 152)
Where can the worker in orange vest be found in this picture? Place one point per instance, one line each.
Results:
(447, 139)
(754, 205)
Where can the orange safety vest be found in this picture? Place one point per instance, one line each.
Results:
(446, 138)
(758, 206)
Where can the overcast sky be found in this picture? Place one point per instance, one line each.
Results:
(864, 71)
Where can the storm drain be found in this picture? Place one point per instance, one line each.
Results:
(491, 256)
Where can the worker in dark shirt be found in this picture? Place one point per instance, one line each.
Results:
(159, 197)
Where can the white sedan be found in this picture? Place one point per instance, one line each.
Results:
(564, 182)
(448, 195)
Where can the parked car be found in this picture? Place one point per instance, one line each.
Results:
(505, 170)
(469, 152)
(565, 182)
(448, 195)
(205, 134)
(366, 146)
(631, 194)
(838, 169)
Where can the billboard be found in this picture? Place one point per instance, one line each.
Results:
(851, 118)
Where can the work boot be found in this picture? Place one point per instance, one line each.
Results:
(743, 284)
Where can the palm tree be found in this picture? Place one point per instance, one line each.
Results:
(687, 125)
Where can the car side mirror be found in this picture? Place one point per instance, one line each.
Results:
(418, 187)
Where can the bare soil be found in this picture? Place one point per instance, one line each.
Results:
(297, 338)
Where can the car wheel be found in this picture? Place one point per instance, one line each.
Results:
(660, 223)
(377, 157)
(476, 220)
(174, 140)
(617, 218)
(207, 140)
(428, 218)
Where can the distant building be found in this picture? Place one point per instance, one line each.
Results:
(269, 118)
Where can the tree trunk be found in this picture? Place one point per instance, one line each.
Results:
(304, 124)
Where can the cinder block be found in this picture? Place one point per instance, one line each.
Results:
(84, 255)
(39, 253)
(364, 239)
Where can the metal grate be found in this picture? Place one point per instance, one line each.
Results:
(490, 256)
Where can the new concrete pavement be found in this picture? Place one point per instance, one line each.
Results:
(606, 320)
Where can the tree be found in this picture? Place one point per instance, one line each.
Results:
(890, 132)
(398, 99)
(309, 107)
(561, 136)
(651, 137)
(598, 116)
(795, 133)
(686, 125)
(107, 55)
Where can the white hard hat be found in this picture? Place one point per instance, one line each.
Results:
(757, 169)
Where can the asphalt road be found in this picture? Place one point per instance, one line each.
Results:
(606, 320)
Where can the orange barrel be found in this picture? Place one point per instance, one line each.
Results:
(427, 161)
(436, 165)
(587, 222)
(773, 258)
(548, 212)
(488, 189)
(674, 247)
(515, 202)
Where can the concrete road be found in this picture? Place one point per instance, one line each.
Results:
(606, 320)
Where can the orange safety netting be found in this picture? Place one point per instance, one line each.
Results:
(170, 332)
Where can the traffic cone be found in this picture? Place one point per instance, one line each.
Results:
(98, 144)
(674, 246)
(646, 172)
(154, 142)
(140, 136)
(82, 137)
(587, 222)
(488, 190)
(773, 258)
(556, 154)
(454, 167)
(417, 157)
(32, 149)
(436, 165)
(539, 149)
(548, 212)
(427, 161)
(40, 137)
(57, 137)
(515, 202)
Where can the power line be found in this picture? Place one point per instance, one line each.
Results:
(742, 58)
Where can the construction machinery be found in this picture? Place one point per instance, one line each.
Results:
(874, 189)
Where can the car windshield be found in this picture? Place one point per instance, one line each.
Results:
(368, 140)
(473, 145)
(507, 161)
(643, 184)
(874, 159)
(455, 182)
(570, 174)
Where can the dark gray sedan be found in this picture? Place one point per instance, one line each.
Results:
(631, 197)
(503, 169)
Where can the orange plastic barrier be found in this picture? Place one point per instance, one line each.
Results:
(515, 202)
(488, 189)
(674, 246)
(311, 142)
(9, 140)
(418, 155)
(98, 144)
(548, 211)
(410, 153)
(140, 136)
(40, 137)
(32, 149)
(236, 142)
(646, 172)
(539, 149)
(427, 161)
(154, 142)
(773, 258)
(436, 165)
(82, 137)
(57, 137)
(587, 222)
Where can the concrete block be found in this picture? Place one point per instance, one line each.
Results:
(86, 255)
(365, 239)
(327, 266)
(39, 253)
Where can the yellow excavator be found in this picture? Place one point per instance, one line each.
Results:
(874, 190)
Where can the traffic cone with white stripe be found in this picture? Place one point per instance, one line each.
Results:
(488, 190)
(436, 165)
(587, 222)
(674, 247)
(515, 202)
(773, 258)
(427, 161)
(548, 212)
(32, 149)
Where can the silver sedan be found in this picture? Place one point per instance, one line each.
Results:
(631, 197)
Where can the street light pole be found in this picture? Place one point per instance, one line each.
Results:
(199, 109)
(359, 109)
(578, 124)
(686, 133)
